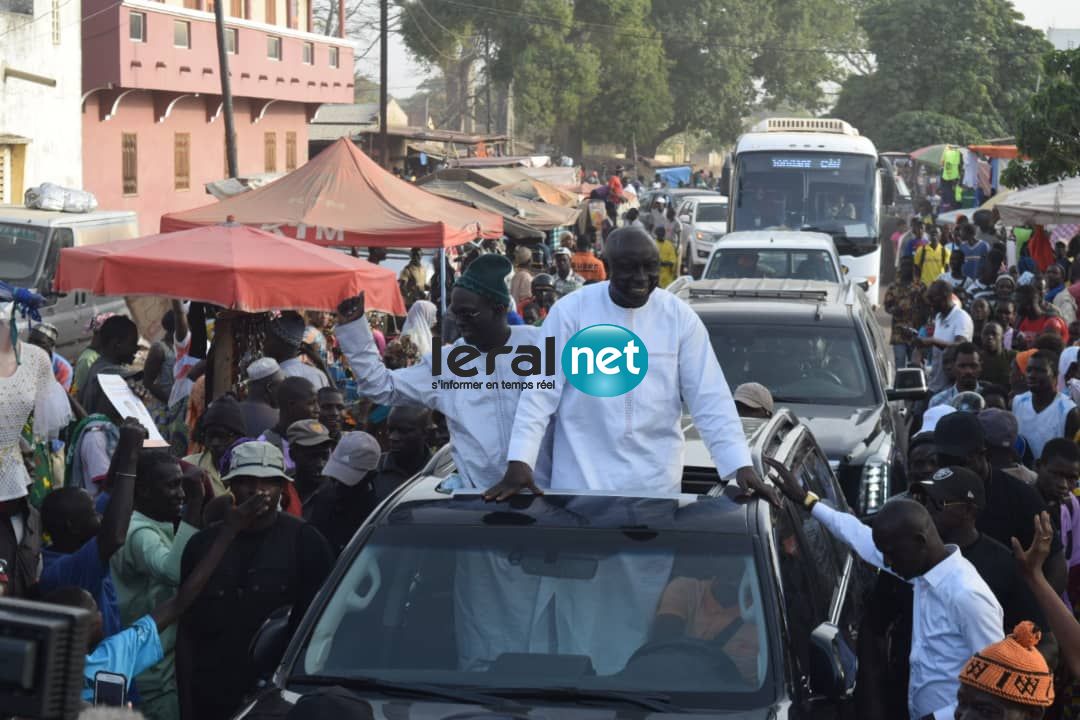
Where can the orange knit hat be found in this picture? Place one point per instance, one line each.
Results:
(1013, 669)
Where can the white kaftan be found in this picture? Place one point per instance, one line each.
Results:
(31, 388)
(633, 441)
(494, 602)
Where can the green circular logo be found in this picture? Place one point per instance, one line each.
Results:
(605, 360)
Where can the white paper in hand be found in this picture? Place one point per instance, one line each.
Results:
(127, 404)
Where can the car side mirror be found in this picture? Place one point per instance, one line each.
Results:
(888, 188)
(832, 663)
(270, 642)
(910, 384)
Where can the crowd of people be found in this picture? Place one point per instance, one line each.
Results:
(991, 316)
(184, 550)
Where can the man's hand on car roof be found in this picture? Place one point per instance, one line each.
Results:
(518, 477)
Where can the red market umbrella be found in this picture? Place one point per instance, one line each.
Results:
(234, 266)
(931, 154)
(342, 198)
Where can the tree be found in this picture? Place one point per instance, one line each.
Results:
(1048, 129)
(915, 129)
(728, 56)
(979, 71)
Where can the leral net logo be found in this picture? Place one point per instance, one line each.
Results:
(605, 360)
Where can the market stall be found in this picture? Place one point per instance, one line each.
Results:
(241, 269)
(1052, 204)
(342, 198)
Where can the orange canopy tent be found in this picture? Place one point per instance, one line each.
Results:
(233, 266)
(1005, 152)
(342, 198)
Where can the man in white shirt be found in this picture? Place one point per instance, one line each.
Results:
(952, 325)
(955, 612)
(632, 441)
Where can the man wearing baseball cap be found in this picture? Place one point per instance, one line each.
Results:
(342, 504)
(753, 400)
(1002, 433)
(310, 445)
(1009, 503)
(280, 561)
(954, 497)
(260, 406)
(566, 280)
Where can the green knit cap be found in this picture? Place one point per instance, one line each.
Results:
(486, 277)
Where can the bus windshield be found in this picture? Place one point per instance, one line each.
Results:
(21, 250)
(824, 192)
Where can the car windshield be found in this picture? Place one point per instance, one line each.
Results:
(799, 364)
(712, 212)
(21, 250)
(505, 608)
(777, 264)
(802, 191)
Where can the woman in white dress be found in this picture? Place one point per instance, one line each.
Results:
(27, 385)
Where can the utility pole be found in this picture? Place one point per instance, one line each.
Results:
(487, 70)
(384, 81)
(226, 89)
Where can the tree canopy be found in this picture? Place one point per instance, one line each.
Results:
(979, 71)
(635, 71)
(1048, 129)
(915, 129)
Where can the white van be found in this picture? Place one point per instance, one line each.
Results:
(30, 244)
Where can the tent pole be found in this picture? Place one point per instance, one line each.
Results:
(442, 292)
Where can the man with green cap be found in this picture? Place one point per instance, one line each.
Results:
(491, 615)
(479, 420)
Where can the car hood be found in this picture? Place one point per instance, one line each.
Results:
(276, 705)
(843, 433)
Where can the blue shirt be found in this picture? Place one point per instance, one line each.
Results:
(83, 568)
(126, 653)
(972, 255)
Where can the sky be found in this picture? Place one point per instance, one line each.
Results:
(406, 74)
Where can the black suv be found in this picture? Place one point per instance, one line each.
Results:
(820, 351)
(446, 606)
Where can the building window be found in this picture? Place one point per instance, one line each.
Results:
(309, 53)
(182, 161)
(236, 8)
(290, 151)
(137, 26)
(181, 34)
(271, 12)
(130, 162)
(232, 40)
(334, 59)
(55, 22)
(270, 152)
(194, 5)
(273, 47)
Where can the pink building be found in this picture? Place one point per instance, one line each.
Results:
(152, 128)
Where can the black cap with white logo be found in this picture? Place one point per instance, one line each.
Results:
(955, 484)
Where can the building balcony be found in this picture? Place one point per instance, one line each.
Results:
(144, 45)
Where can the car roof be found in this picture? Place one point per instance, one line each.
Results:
(772, 301)
(778, 240)
(19, 214)
(711, 200)
(429, 500)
